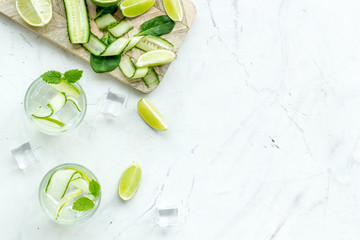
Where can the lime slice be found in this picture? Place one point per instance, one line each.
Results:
(133, 8)
(151, 115)
(155, 58)
(35, 12)
(173, 9)
(105, 3)
(129, 182)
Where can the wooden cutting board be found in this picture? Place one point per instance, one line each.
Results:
(56, 32)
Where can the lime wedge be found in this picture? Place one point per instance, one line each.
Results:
(173, 9)
(105, 3)
(133, 8)
(35, 12)
(155, 58)
(129, 182)
(151, 115)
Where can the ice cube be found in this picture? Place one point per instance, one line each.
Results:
(114, 104)
(24, 155)
(167, 215)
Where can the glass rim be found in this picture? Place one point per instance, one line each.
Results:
(45, 210)
(83, 113)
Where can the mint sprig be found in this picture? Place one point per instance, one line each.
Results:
(52, 77)
(55, 77)
(73, 75)
(94, 188)
(83, 204)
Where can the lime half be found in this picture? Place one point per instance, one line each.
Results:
(151, 115)
(129, 182)
(173, 9)
(155, 58)
(133, 8)
(35, 12)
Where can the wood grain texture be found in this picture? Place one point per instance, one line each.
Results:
(56, 32)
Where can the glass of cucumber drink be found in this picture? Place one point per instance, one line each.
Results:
(55, 103)
(69, 194)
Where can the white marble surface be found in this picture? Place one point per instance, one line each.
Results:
(264, 137)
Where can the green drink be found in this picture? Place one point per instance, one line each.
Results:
(55, 108)
(69, 194)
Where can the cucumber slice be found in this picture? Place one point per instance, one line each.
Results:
(94, 46)
(75, 102)
(116, 48)
(132, 43)
(43, 112)
(127, 67)
(58, 183)
(150, 43)
(123, 27)
(57, 102)
(105, 21)
(77, 21)
(69, 89)
(67, 198)
(50, 122)
(141, 72)
(151, 79)
(81, 184)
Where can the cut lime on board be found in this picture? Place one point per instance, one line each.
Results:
(173, 9)
(155, 58)
(129, 182)
(35, 12)
(105, 3)
(151, 115)
(133, 8)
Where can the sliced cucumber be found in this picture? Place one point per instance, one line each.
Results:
(95, 46)
(57, 102)
(123, 27)
(132, 43)
(43, 112)
(77, 21)
(69, 89)
(81, 184)
(50, 122)
(151, 79)
(127, 67)
(58, 183)
(116, 48)
(67, 198)
(105, 21)
(150, 43)
(141, 72)
(75, 102)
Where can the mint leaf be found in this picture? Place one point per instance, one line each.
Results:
(94, 188)
(73, 75)
(52, 77)
(83, 204)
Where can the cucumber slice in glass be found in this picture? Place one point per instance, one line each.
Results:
(43, 112)
(50, 122)
(58, 183)
(57, 102)
(75, 102)
(69, 89)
